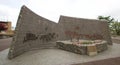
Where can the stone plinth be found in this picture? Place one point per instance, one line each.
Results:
(83, 49)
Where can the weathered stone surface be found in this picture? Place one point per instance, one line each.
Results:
(36, 32)
(101, 47)
(32, 32)
(85, 28)
(72, 48)
(83, 49)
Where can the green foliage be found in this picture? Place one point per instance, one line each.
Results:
(113, 25)
(116, 27)
(108, 18)
(86, 42)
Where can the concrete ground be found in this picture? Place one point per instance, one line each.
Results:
(111, 61)
(116, 39)
(56, 57)
(60, 57)
(5, 43)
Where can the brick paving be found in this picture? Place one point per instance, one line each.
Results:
(111, 61)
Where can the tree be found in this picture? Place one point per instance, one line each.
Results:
(107, 18)
(116, 27)
(113, 25)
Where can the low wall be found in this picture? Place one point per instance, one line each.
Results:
(72, 48)
(81, 49)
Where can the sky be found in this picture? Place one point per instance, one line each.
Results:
(52, 9)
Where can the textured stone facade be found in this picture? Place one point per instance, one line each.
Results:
(72, 48)
(85, 28)
(83, 49)
(32, 32)
(36, 32)
(101, 47)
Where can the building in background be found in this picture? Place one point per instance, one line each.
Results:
(6, 29)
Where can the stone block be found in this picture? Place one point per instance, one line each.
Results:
(92, 50)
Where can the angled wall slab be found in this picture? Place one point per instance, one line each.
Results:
(35, 32)
(85, 28)
(32, 32)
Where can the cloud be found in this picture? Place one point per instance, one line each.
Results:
(52, 9)
(114, 14)
(8, 13)
(9, 10)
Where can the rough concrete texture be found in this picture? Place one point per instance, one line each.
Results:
(85, 28)
(35, 32)
(32, 32)
(57, 57)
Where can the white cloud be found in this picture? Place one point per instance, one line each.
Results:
(8, 14)
(52, 9)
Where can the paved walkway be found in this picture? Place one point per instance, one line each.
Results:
(111, 61)
(56, 57)
(116, 39)
(61, 57)
(5, 43)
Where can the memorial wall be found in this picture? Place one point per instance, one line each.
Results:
(35, 32)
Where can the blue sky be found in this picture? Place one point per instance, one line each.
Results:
(52, 9)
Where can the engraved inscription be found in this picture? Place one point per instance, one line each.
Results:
(43, 37)
(87, 36)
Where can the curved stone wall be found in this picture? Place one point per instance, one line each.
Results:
(32, 32)
(85, 28)
(36, 32)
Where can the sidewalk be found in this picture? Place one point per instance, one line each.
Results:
(111, 61)
(60, 57)
(5, 43)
